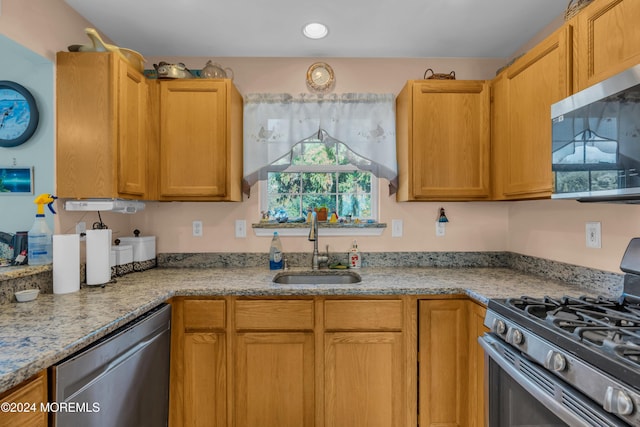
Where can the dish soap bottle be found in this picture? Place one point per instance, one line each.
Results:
(40, 237)
(275, 253)
(355, 261)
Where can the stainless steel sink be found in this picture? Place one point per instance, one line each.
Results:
(322, 277)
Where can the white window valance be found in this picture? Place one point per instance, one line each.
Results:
(274, 123)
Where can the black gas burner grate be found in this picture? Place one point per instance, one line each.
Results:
(612, 326)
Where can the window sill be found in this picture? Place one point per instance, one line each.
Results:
(266, 229)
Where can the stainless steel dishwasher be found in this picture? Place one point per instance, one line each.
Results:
(121, 380)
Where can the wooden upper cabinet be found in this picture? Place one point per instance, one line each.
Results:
(608, 40)
(443, 140)
(200, 140)
(522, 98)
(102, 123)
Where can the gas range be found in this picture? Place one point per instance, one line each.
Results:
(591, 344)
(601, 331)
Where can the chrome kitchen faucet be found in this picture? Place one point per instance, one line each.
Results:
(316, 259)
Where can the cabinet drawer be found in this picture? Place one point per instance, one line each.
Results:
(274, 314)
(204, 314)
(364, 314)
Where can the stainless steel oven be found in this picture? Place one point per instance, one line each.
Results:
(522, 393)
(568, 361)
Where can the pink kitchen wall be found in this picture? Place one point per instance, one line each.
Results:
(548, 228)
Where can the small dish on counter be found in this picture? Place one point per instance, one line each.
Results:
(27, 295)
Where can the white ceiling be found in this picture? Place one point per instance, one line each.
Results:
(357, 28)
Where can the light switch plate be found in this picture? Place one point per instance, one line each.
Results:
(440, 228)
(241, 228)
(197, 228)
(593, 235)
(396, 228)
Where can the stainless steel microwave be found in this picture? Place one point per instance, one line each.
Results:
(596, 142)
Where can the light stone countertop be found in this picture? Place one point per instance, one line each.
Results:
(35, 335)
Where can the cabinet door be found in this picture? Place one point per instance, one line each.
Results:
(198, 386)
(205, 379)
(477, 407)
(443, 363)
(101, 127)
(33, 393)
(445, 153)
(533, 83)
(132, 131)
(198, 160)
(608, 40)
(363, 379)
(274, 379)
(85, 125)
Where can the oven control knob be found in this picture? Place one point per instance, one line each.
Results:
(555, 361)
(499, 327)
(617, 401)
(515, 336)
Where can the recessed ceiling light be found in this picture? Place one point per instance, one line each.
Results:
(315, 30)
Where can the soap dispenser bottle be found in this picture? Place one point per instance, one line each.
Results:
(355, 260)
(275, 253)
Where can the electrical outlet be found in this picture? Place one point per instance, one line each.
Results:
(241, 228)
(440, 228)
(396, 228)
(197, 228)
(81, 229)
(593, 235)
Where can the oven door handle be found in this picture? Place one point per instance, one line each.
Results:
(490, 345)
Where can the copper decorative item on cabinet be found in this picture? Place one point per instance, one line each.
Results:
(439, 76)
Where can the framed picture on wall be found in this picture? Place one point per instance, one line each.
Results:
(16, 180)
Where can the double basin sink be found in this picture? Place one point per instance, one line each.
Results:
(317, 277)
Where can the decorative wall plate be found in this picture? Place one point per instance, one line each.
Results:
(320, 77)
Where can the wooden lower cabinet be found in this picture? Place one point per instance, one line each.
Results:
(364, 379)
(274, 379)
(198, 387)
(24, 403)
(443, 360)
(326, 362)
(204, 387)
(367, 362)
(274, 362)
(451, 363)
(477, 405)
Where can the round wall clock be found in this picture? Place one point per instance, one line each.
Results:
(18, 114)
(320, 77)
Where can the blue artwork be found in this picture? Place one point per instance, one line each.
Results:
(16, 180)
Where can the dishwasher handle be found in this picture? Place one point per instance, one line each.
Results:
(113, 364)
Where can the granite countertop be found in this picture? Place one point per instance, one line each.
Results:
(38, 334)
